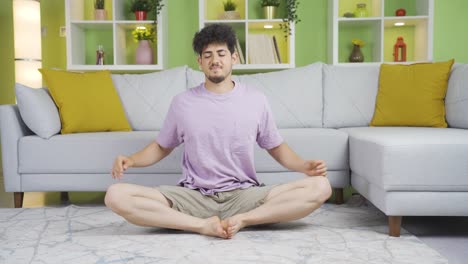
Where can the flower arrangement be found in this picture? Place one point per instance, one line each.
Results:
(144, 33)
(358, 42)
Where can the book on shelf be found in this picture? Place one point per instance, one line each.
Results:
(277, 53)
(263, 49)
(239, 52)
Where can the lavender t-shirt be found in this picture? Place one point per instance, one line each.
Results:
(219, 132)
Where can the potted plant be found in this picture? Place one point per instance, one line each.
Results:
(356, 54)
(269, 8)
(144, 51)
(142, 7)
(291, 16)
(230, 10)
(99, 12)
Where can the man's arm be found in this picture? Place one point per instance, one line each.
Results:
(151, 154)
(290, 160)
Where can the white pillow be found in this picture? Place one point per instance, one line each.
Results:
(38, 110)
(456, 100)
(146, 97)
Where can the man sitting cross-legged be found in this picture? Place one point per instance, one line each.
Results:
(219, 122)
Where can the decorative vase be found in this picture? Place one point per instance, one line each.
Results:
(140, 15)
(269, 12)
(100, 14)
(144, 53)
(229, 15)
(356, 54)
(361, 10)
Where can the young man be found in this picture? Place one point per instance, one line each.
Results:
(219, 122)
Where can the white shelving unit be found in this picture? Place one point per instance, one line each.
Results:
(250, 23)
(379, 31)
(84, 34)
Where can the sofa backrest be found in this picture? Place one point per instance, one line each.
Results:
(146, 97)
(456, 100)
(295, 95)
(349, 93)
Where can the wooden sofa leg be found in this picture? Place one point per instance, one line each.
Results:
(18, 199)
(394, 226)
(64, 197)
(339, 196)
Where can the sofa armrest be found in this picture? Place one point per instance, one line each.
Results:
(12, 128)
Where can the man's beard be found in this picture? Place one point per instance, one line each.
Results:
(216, 79)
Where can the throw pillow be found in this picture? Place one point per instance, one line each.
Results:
(87, 102)
(412, 95)
(37, 110)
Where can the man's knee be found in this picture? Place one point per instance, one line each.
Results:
(115, 196)
(320, 188)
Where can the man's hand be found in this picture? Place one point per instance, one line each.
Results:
(315, 168)
(121, 164)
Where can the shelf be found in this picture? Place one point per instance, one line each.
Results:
(274, 46)
(85, 34)
(379, 30)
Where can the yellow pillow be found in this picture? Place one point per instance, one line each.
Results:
(87, 102)
(412, 95)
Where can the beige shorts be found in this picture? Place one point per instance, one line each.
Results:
(222, 204)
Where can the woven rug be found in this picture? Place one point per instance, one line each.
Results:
(355, 232)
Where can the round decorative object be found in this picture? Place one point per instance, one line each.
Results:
(400, 12)
(229, 15)
(144, 53)
(356, 54)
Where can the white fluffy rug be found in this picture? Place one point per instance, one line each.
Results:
(352, 233)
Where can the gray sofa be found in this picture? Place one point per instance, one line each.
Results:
(322, 111)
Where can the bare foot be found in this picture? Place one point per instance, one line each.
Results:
(234, 224)
(213, 227)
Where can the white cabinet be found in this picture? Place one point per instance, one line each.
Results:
(263, 43)
(114, 34)
(381, 29)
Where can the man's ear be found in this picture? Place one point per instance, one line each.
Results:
(199, 61)
(235, 57)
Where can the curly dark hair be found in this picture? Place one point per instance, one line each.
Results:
(214, 33)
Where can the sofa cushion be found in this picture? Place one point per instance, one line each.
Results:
(89, 153)
(330, 145)
(349, 94)
(38, 110)
(456, 100)
(146, 97)
(295, 95)
(87, 102)
(412, 95)
(410, 158)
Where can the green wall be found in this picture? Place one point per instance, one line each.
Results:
(311, 35)
(7, 74)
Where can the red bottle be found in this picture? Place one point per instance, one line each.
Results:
(399, 50)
